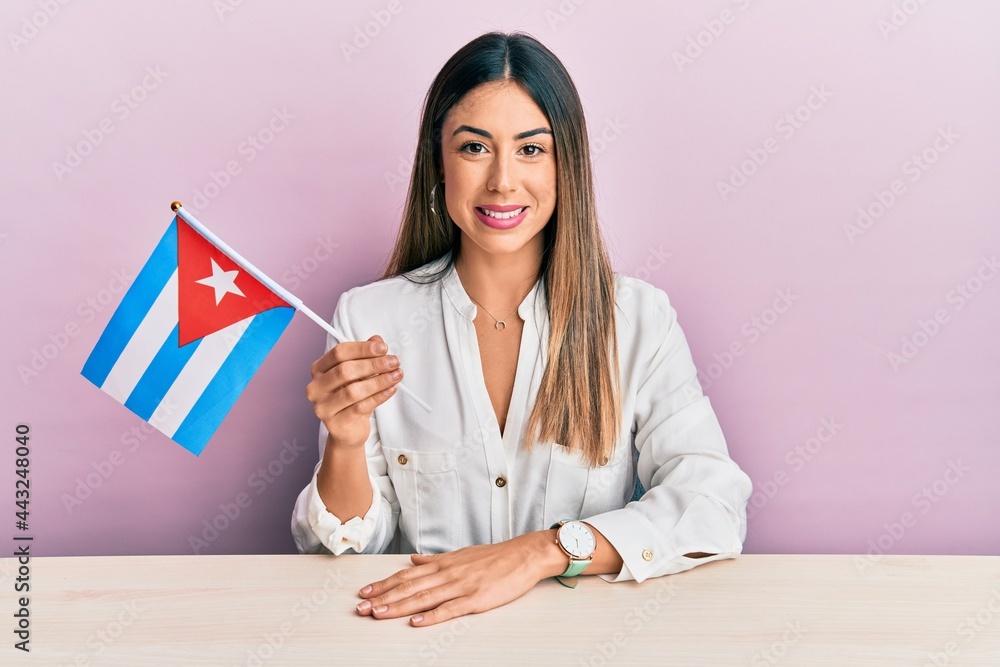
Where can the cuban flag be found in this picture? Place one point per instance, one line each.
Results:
(188, 335)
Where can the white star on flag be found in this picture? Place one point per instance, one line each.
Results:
(222, 282)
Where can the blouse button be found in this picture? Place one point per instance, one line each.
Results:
(501, 482)
(604, 460)
(647, 555)
(402, 459)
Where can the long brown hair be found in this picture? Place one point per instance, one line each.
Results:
(578, 403)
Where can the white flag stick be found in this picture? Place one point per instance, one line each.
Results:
(278, 289)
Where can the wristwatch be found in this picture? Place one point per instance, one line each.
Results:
(577, 541)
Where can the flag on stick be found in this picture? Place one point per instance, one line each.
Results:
(190, 332)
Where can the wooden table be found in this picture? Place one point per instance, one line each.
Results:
(754, 610)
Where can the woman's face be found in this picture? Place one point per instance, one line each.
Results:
(498, 153)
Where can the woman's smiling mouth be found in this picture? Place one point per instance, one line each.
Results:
(501, 217)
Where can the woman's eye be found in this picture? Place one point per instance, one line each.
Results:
(471, 144)
(535, 149)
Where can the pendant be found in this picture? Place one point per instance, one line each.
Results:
(500, 325)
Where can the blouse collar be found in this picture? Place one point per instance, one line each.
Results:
(452, 284)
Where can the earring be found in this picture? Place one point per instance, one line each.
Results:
(432, 197)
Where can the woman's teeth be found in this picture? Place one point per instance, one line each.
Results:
(502, 216)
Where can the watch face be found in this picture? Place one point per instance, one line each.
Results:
(577, 539)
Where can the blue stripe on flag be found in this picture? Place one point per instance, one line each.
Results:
(136, 303)
(160, 374)
(227, 385)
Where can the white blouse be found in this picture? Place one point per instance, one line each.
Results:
(448, 479)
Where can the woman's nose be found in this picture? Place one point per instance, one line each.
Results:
(502, 174)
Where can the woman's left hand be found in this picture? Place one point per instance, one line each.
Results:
(469, 580)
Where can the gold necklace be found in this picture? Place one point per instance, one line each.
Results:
(500, 324)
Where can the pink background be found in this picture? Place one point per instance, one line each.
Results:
(318, 207)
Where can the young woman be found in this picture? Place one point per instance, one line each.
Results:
(555, 383)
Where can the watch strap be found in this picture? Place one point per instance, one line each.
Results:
(575, 567)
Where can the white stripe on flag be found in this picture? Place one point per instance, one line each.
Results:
(144, 344)
(199, 370)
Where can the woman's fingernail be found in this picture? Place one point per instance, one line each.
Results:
(382, 609)
(418, 618)
(364, 606)
(366, 590)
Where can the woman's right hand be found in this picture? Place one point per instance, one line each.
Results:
(348, 383)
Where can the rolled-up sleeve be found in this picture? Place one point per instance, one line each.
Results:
(314, 528)
(696, 494)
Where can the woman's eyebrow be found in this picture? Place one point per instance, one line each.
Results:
(484, 133)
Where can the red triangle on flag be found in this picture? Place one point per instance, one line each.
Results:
(213, 290)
